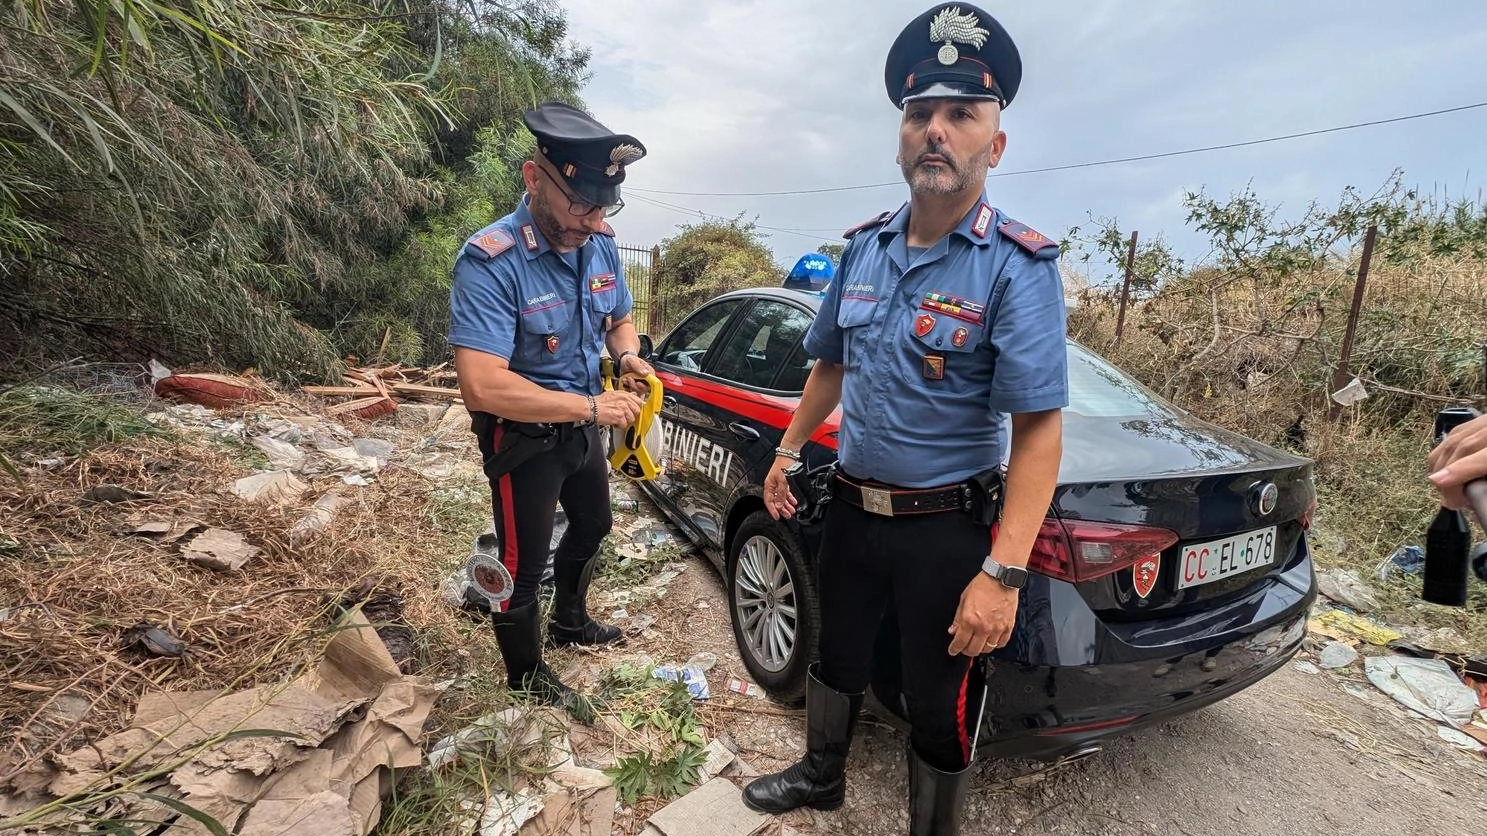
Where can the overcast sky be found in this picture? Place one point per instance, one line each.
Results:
(777, 95)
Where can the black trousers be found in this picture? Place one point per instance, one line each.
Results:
(914, 567)
(574, 474)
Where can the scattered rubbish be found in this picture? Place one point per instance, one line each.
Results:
(489, 729)
(341, 461)
(374, 448)
(280, 429)
(1306, 667)
(109, 494)
(219, 549)
(1427, 643)
(641, 623)
(1426, 686)
(1337, 655)
(694, 679)
(719, 757)
(1406, 560)
(1345, 587)
(1459, 739)
(651, 537)
(504, 814)
(278, 487)
(1342, 625)
(748, 689)
(625, 504)
(317, 518)
(166, 531)
(315, 755)
(414, 415)
(435, 466)
(702, 661)
(154, 640)
(585, 812)
(703, 605)
(281, 455)
(1351, 394)
(716, 808)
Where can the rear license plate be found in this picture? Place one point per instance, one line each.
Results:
(1218, 559)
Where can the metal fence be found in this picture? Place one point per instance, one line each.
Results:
(650, 313)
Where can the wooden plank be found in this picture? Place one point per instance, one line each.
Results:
(426, 391)
(325, 391)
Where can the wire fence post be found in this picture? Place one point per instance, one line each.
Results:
(1125, 290)
(1341, 375)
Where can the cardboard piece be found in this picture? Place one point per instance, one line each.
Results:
(714, 809)
(280, 759)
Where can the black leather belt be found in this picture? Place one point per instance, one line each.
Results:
(894, 502)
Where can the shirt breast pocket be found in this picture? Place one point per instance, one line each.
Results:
(855, 313)
(946, 352)
(604, 297)
(543, 329)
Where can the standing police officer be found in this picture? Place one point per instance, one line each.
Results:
(536, 297)
(944, 319)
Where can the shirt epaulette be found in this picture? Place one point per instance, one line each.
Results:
(877, 221)
(490, 244)
(1037, 244)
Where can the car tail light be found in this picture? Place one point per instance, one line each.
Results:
(1074, 550)
(1309, 513)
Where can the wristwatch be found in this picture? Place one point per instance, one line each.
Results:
(1012, 577)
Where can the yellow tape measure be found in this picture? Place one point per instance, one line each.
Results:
(632, 452)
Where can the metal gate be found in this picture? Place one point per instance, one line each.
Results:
(640, 274)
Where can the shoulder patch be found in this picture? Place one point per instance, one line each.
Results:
(1036, 243)
(878, 221)
(492, 243)
(606, 229)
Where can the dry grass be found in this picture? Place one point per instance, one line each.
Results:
(76, 579)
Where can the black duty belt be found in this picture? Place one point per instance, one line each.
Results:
(894, 502)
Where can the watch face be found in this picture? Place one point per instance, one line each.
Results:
(1013, 577)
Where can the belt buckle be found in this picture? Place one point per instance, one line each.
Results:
(876, 501)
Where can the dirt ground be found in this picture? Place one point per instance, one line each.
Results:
(1299, 753)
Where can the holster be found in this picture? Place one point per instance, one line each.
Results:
(984, 493)
(506, 445)
(811, 489)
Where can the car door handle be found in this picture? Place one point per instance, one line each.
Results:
(744, 431)
(668, 402)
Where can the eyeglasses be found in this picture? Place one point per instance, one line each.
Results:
(579, 207)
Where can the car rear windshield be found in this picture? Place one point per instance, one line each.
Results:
(1100, 390)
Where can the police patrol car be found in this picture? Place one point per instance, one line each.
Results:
(1139, 607)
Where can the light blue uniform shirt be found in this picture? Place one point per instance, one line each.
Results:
(516, 298)
(938, 350)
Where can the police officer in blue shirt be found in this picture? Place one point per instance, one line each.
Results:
(944, 324)
(537, 295)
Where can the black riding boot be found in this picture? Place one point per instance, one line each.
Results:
(935, 798)
(818, 779)
(521, 646)
(570, 614)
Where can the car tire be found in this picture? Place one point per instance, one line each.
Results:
(773, 606)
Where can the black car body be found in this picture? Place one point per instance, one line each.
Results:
(1173, 569)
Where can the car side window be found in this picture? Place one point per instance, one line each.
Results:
(688, 344)
(764, 341)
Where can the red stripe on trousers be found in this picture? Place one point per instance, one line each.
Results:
(510, 553)
(960, 714)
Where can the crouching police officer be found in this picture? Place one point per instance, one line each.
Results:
(537, 295)
(945, 317)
